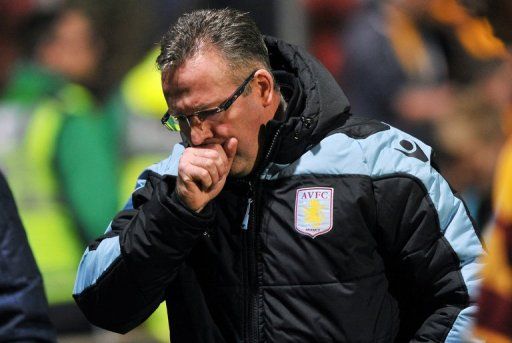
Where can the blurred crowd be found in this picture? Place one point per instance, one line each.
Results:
(78, 86)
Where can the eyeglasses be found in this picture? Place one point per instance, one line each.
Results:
(173, 121)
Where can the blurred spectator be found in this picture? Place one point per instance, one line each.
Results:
(12, 14)
(497, 12)
(395, 68)
(128, 30)
(56, 150)
(404, 58)
(469, 136)
(23, 306)
(326, 21)
(494, 322)
(468, 42)
(138, 103)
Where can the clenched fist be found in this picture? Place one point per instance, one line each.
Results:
(202, 172)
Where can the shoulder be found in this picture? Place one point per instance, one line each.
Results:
(167, 166)
(363, 146)
(393, 151)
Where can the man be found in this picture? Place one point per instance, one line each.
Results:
(281, 218)
(23, 305)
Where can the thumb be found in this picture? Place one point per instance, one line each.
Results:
(230, 149)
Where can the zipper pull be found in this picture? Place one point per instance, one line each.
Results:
(306, 122)
(245, 223)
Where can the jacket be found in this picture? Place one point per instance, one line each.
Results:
(54, 147)
(494, 320)
(345, 232)
(23, 305)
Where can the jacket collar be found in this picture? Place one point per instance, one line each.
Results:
(316, 104)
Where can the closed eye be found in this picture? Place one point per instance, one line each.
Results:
(207, 113)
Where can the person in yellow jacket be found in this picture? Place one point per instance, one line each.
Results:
(495, 316)
(494, 321)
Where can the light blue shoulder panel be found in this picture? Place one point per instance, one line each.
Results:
(334, 155)
(95, 262)
(169, 166)
(387, 153)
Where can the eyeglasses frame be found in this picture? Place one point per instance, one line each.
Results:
(203, 114)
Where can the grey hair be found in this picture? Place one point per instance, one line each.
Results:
(233, 33)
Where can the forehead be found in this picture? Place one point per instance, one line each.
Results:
(204, 73)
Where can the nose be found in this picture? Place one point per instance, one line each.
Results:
(199, 133)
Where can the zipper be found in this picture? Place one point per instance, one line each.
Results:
(253, 263)
(246, 271)
(245, 307)
(250, 252)
(245, 222)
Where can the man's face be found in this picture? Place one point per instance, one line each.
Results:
(203, 82)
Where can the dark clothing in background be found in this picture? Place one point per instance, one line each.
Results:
(373, 75)
(23, 305)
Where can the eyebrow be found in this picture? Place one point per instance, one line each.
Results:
(195, 109)
(198, 108)
(203, 107)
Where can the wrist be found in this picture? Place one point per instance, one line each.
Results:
(182, 200)
(202, 211)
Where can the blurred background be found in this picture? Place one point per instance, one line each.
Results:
(80, 103)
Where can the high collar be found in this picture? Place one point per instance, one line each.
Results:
(316, 104)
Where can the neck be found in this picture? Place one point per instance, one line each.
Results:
(281, 109)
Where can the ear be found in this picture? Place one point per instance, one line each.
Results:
(264, 88)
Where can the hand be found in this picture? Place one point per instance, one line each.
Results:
(202, 173)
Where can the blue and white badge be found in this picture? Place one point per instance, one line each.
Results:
(314, 210)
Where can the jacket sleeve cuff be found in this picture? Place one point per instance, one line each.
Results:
(166, 206)
(207, 213)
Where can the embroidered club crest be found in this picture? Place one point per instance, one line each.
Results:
(313, 210)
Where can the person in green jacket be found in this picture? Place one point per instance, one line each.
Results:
(55, 148)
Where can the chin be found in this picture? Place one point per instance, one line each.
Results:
(238, 173)
(239, 169)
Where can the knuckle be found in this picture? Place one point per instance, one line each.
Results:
(208, 163)
(182, 169)
(203, 173)
(221, 163)
(214, 155)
